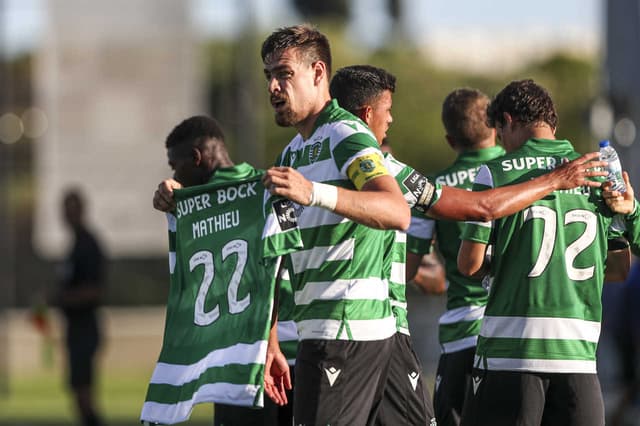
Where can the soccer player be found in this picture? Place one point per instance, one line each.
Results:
(464, 116)
(367, 92)
(535, 358)
(218, 283)
(333, 168)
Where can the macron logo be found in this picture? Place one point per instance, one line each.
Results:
(413, 378)
(438, 380)
(332, 374)
(476, 383)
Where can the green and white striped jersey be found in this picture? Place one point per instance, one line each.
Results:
(287, 330)
(420, 194)
(338, 284)
(466, 298)
(220, 299)
(544, 307)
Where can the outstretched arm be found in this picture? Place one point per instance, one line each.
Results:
(379, 204)
(484, 206)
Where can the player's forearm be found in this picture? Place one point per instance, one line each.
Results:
(376, 209)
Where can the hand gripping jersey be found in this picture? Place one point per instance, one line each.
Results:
(544, 307)
(466, 297)
(220, 299)
(338, 283)
(420, 194)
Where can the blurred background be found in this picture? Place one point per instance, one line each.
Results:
(89, 90)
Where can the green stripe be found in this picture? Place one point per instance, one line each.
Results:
(459, 330)
(169, 394)
(343, 309)
(289, 348)
(553, 349)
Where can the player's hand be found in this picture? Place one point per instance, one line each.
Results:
(277, 378)
(576, 173)
(288, 183)
(163, 199)
(619, 202)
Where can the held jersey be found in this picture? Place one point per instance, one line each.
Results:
(220, 299)
(544, 307)
(420, 194)
(337, 279)
(459, 326)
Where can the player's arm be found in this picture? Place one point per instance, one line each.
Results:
(277, 378)
(618, 261)
(471, 258)
(426, 272)
(379, 204)
(626, 206)
(459, 204)
(163, 199)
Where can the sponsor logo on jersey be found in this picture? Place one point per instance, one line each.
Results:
(332, 374)
(413, 378)
(458, 178)
(421, 189)
(476, 383)
(285, 213)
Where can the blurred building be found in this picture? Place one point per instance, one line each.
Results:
(622, 85)
(112, 79)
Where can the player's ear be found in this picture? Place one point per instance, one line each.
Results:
(319, 70)
(366, 113)
(196, 155)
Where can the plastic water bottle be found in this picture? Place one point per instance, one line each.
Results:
(608, 154)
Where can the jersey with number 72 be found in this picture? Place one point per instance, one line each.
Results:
(544, 307)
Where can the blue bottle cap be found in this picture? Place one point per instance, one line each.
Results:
(604, 143)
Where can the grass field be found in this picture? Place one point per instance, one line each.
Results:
(43, 400)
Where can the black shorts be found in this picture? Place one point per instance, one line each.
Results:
(340, 382)
(510, 398)
(452, 381)
(82, 345)
(406, 399)
(271, 415)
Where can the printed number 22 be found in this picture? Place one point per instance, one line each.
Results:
(573, 250)
(204, 257)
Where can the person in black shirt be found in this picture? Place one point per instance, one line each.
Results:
(80, 294)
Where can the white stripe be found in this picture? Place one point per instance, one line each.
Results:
(463, 313)
(404, 331)
(393, 166)
(483, 224)
(401, 237)
(421, 228)
(224, 393)
(171, 222)
(360, 330)
(398, 272)
(287, 331)
(460, 344)
(315, 257)
(540, 328)
(538, 365)
(321, 171)
(271, 226)
(397, 304)
(284, 274)
(179, 374)
(311, 217)
(172, 261)
(363, 288)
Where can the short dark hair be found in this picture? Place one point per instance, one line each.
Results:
(464, 116)
(194, 131)
(310, 43)
(526, 102)
(358, 85)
